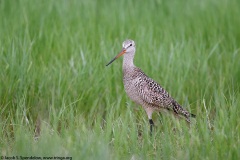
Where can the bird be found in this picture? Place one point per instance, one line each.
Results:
(143, 90)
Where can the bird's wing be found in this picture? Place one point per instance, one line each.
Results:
(152, 93)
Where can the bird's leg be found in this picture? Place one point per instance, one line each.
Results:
(149, 110)
(151, 126)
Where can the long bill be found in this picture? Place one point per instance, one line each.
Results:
(119, 55)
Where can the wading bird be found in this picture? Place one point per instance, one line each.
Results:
(143, 90)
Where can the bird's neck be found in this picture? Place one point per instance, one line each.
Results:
(128, 61)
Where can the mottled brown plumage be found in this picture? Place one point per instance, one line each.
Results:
(145, 91)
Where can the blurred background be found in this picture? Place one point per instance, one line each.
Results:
(57, 97)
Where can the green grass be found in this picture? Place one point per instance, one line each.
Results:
(57, 98)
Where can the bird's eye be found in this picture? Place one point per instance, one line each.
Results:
(130, 44)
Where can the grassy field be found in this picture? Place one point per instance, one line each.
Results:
(57, 97)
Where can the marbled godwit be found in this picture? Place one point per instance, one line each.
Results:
(145, 91)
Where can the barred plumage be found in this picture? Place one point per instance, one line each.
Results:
(145, 91)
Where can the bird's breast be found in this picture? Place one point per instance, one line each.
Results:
(131, 87)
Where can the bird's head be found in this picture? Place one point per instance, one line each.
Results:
(128, 47)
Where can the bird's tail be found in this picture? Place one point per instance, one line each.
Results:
(177, 108)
